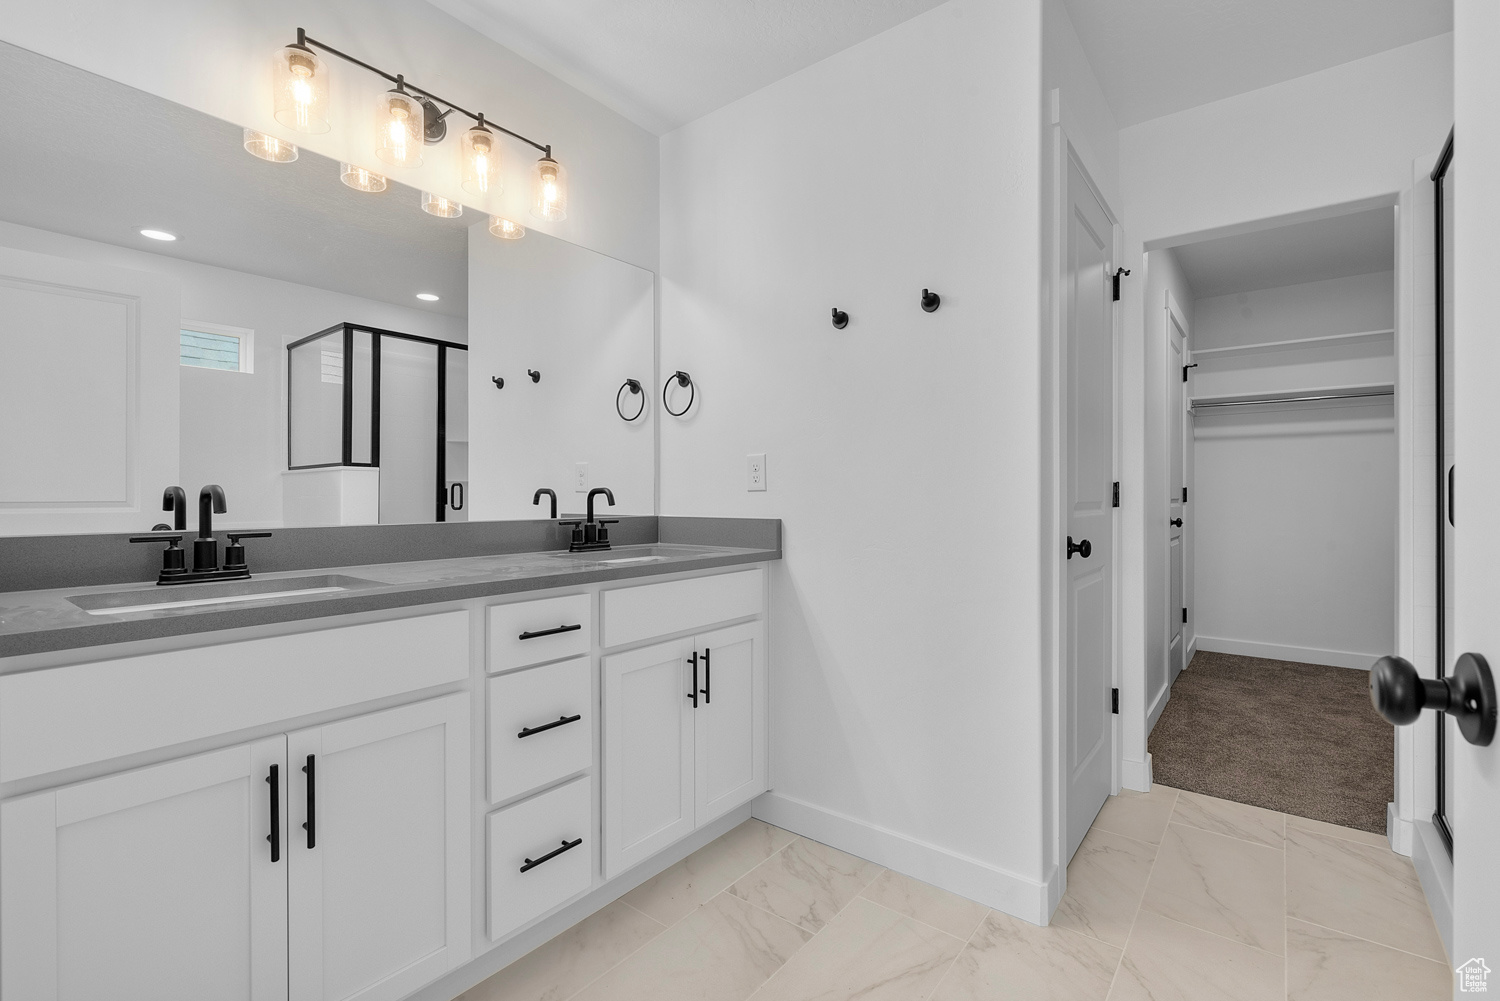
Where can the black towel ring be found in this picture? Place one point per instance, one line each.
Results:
(635, 390)
(684, 380)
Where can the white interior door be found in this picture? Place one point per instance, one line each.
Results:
(648, 752)
(379, 852)
(89, 390)
(1476, 261)
(1176, 485)
(729, 724)
(151, 885)
(1088, 466)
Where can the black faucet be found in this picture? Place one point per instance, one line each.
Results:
(536, 499)
(174, 499)
(206, 547)
(591, 535)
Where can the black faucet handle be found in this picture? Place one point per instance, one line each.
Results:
(159, 537)
(237, 536)
(173, 558)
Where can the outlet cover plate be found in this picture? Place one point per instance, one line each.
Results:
(755, 471)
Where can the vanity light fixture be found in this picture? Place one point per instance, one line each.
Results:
(427, 296)
(437, 205)
(401, 126)
(158, 234)
(408, 117)
(269, 147)
(361, 179)
(505, 229)
(300, 82)
(549, 201)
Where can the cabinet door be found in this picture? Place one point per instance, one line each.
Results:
(151, 885)
(730, 722)
(379, 852)
(648, 752)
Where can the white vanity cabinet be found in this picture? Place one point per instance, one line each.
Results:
(684, 721)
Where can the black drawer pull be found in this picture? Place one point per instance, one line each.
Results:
(311, 824)
(708, 681)
(550, 632)
(560, 721)
(693, 692)
(554, 853)
(274, 781)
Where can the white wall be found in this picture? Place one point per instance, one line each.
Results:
(903, 451)
(233, 423)
(1344, 135)
(215, 56)
(585, 323)
(1162, 275)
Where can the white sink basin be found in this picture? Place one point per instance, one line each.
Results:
(154, 599)
(633, 554)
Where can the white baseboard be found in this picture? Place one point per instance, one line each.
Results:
(1397, 831)
(990, 885)
(1158, 707)
(1435, 869)
(1280, 651)
(1136, 774)
(1192, 649)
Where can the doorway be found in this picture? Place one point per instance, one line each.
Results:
(1276, 532)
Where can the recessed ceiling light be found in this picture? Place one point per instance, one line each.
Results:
(158, 234)
(427, 297)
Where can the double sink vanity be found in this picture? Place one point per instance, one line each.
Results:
(352, 782)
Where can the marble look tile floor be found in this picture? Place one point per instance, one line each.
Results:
(1172, 896)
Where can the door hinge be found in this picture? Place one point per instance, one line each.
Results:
(1185, 368)
(1114, 701)
(1118, 273)
(1184, 615)
(1116, 501)
(1184, 495)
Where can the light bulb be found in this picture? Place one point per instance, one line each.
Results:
(481, 162)
(400, 125)
(269, 147)
(361, 179)
(439, 206)
(300, 84)
(505, 229)
(550, 191)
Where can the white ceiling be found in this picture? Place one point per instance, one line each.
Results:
(663, 63)
(1360, 243)
(1155, 57)
(101, 160)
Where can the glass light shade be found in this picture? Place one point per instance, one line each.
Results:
(399, 127)
(505, 229)
(360, 179)
(269, 147)
(549, 197)
(480, 151)
(439, 206)
(300, 86)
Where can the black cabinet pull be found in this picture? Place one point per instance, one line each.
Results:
(693, 692)
(707, 678)
(554, 853)
(274, 781)
(311, 824)
(560, 721)
(550, 632)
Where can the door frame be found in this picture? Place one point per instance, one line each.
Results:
(1064, 154)
(1173, 313)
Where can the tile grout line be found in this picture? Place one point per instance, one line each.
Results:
(1370, 941)
(1139, 904)
(912, 917)
(957, 956)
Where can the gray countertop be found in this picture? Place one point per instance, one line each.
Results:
(41, 621)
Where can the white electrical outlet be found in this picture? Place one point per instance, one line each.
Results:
(755, 471)
(582, 477)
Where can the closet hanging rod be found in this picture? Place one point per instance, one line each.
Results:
(1291, 399)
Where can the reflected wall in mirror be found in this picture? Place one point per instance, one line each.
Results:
(129, 364)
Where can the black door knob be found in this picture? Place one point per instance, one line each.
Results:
(1083, 548)
(1468, 695)
(1176, 522)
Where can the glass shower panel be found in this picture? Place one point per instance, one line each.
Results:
(315, 401)
(409, 487)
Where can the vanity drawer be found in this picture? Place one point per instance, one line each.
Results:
(533, 632)
(530, 746)
(677, 606)
(533, 829)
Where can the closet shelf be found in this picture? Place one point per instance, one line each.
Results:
(1295, 396)
(1305, 342)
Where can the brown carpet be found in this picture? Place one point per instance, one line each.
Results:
(1299, 738)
